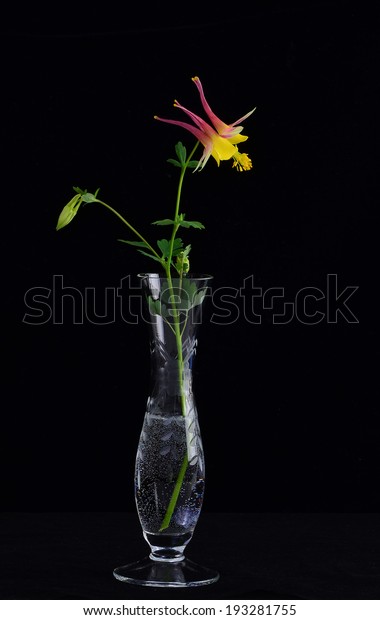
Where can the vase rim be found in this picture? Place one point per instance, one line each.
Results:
(190, 276)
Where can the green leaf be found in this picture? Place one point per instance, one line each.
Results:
(151, 256)
(177, 243)
(163, 222)
(199, 297)
(86, 196)
(89, 197)
(156, 307)
(181, 152)
(190, 288)
(188, 224)
(177, 246)
(193, 163)
(174, 162)
(139, 244)
(164, 246)
(191, 296)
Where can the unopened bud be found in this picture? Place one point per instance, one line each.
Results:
(69, 211)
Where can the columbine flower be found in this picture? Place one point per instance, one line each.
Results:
(218, 140)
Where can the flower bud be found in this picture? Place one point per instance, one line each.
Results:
(69, 211)
(182, 263)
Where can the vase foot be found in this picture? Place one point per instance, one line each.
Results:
(158, 574)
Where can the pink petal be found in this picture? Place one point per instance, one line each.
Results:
(205, 127)
(218, 124)
(200, 135)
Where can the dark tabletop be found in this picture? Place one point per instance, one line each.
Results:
(259, 556)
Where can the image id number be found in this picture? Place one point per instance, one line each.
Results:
(260, 610)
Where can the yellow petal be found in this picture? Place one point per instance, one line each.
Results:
(222, 148)
(238, 138)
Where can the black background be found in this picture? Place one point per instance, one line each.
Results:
(288, 413)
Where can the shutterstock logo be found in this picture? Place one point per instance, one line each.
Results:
(310, 305)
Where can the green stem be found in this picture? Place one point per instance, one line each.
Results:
(173, 500)
(129, 226)
(178, 336)
(178, 201)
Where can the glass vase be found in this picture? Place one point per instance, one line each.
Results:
(170, 467)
